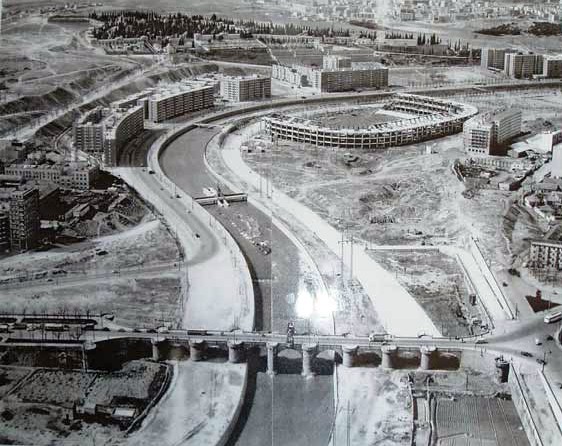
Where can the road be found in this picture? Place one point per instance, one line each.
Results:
(183, 161)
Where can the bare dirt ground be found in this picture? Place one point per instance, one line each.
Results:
(409, 195)
(92, 282)
(112, 252)
(437, 282)
(380, 407)
(407, 76)
(354, 118)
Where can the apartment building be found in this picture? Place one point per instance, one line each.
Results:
(121, 127)
(494, 58)
(546, 254)
(180, 99)
(489, 134)
(247, 88)
(335, 62)
(360, 75)
(88, 132)
(523, 66)
(552, 66)
(19, 214)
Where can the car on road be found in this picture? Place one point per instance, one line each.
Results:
(538, 341)
(527, 354)
(553, 317)
(151, 172)
(197, 235)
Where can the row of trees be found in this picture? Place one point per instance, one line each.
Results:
(131, 24)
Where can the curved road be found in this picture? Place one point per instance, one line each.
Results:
(275, 276)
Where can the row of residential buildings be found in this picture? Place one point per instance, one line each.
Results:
(106, 130)
(521, 65)
(337, 74)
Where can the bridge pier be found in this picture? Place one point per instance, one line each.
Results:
(89, 352)
(389, 353)
(427, 353)
(197, 349)
(235, 351)
(308, 353)
(271, 355)
(157, 348)
(349, 355)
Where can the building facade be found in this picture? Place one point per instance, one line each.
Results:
(359, 75)
(124, 125)
(179, 100)
(88, 132)
(494, 58)
(75, 175)
(248, 88)
(24, 218)
(489, 134)
(546, 254)
(334, 62)
(552, 66)
(523, 66)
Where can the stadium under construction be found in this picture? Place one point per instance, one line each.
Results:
(422, 118)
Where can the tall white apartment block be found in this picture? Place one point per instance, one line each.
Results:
(489, 134)
(523, 66)
(247, 88)
(180, 99)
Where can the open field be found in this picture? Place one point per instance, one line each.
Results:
(437, 282)
(407, 76)
(92, 282)
(107, 253)
(10, 376)
(380, 407)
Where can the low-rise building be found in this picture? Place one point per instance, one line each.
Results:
(70, 175)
